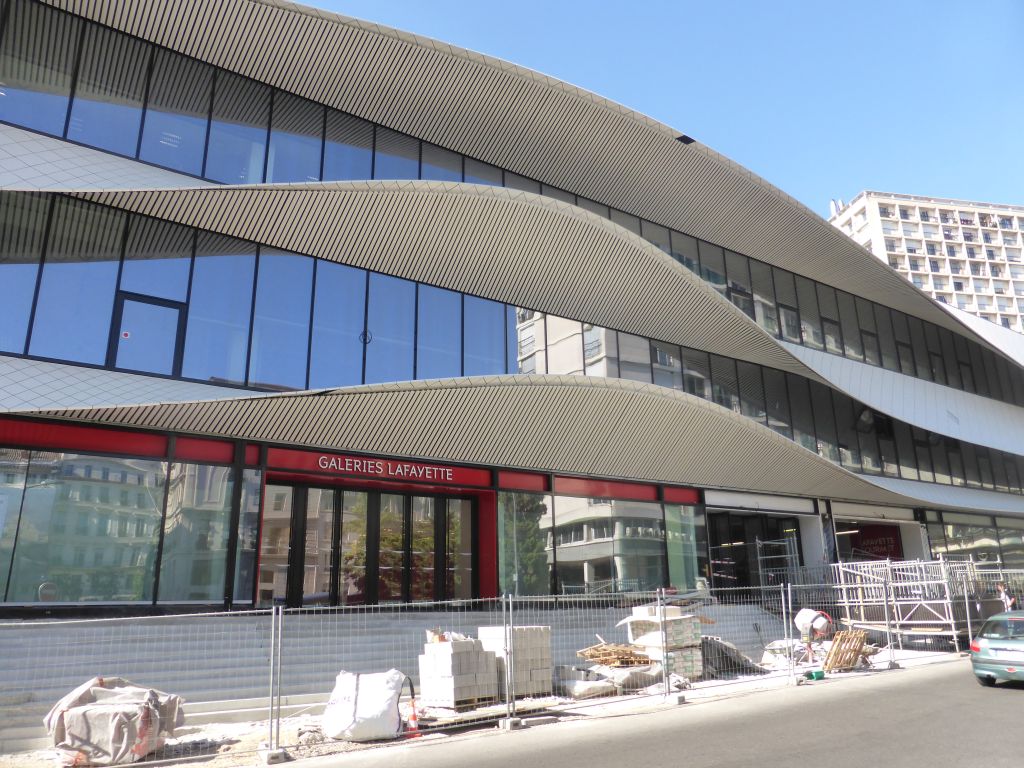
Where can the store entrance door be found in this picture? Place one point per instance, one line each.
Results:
(335, 546)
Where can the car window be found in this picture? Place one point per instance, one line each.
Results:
(1002, 629)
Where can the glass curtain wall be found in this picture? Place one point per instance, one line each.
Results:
(78, 80)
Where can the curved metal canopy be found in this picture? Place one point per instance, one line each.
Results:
(563, 424)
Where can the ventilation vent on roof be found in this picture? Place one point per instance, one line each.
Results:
(685, 139)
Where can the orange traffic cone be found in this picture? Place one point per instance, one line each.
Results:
(412, 726)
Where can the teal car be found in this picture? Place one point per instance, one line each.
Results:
(997, 651)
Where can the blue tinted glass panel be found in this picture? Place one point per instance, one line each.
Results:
(37, 58)
(157, 259)
(174, 132)
(484, 331)
(476, 172)
(111, 86)
(147, 337)
(438, 342)
(336, 356)
(440, 164)
(76, 292)
(22, 229)
(390, 325)
(296, 138)
(396, 156)
(217, 335)
(511, 341)
(348, 147)
(280, 329)
(238, 132)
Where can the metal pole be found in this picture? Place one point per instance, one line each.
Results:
(511, 657)
(508, 632)
(888, 630)
(787, 621)
(664, 642)
(280, 636)
(967, 613)
(270, 690)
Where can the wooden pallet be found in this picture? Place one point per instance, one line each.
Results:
(846, 651)
(614, 655)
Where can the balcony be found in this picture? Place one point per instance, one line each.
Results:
(925, 216)
(967, 222)
(968, 237)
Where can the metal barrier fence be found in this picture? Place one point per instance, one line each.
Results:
(261, 679)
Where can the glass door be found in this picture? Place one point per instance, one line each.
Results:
(275, 546)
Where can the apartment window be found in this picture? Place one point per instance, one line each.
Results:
(930, 249)
(951, 251)
(934, 265)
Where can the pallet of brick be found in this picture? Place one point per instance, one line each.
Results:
(532, 666)
(457, 674)
(686, 662)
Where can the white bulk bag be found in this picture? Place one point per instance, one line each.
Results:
(364, 707)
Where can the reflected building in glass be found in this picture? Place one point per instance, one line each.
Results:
(270, 333)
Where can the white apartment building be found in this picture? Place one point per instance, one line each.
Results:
(960, 252)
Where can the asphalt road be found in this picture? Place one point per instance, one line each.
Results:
(927, 717)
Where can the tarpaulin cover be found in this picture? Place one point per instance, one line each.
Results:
(110, 721)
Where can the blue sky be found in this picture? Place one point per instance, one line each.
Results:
(821, 99)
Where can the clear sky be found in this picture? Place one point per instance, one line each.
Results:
(822, 99)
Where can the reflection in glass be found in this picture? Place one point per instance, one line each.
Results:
(238, 131)
(396, 156)
(22, 229)
(564, 346)
(609, 546)
(391, 553)
(525, 548)
(37, 59)
(724, 385)
(438, 345)
(1011, 542)
(600, 351)
(752, 403)
(280, 329)
(681, 543)
(275, 545)
(530, 342)
(440, 164)
(13, 468)
(348, 148)
(696, 373)
(217, 338)
(248, 536)
(296, 138)
(712, 265)
(422, 574)
(148, 336)
(76, 292)
(109, 92)
(971, 536)
(459, 550)
(336, 354)
(352, 554)
(481, 173)
(178, 110)
(196, 529)
(483, 333)
(634, 358)
(89, 529)
(316, 562)
(390, 327)
(157, 259)
(668, 365)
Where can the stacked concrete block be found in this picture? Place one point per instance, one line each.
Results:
(456, 674)
(532, 667)
(681, 637)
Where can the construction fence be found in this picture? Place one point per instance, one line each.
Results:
(261, 679)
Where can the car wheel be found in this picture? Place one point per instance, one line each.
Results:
(985, 680)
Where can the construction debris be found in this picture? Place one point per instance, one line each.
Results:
(614, 655)
(722, 660)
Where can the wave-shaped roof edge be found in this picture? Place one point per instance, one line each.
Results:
(564, 135)
(567, 424)
(502, 244)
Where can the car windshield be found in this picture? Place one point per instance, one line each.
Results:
(1003, 629)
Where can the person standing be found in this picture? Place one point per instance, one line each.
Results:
(1008, 600)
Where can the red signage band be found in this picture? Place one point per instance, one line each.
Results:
(380, 469)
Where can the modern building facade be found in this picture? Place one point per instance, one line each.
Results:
(962, 253)
(298, 309)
